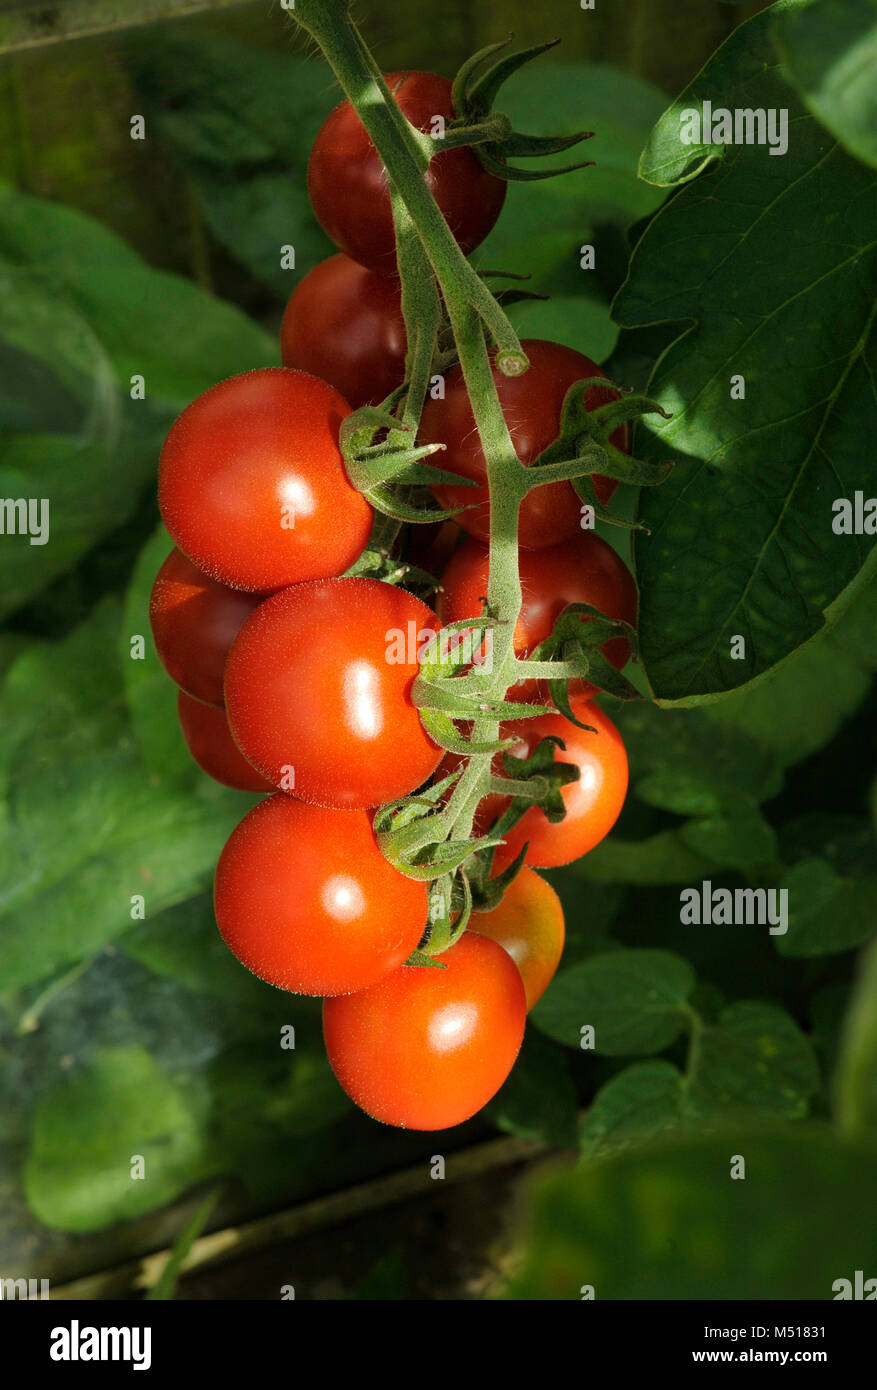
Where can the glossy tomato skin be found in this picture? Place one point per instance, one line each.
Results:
(344, 323)
(348, 185)
(319, 681)
(529, 926)
(584, 569)
(194, 621)
(532, 405)
(305, 899)
(593, 803)
(208, 739)
(252, 485)
(426, 1048)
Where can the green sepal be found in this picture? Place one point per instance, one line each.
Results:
(580, 427)
(442, 730)
(420, 958)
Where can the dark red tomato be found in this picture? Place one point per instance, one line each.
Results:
(427, 1048)
(581, 570)
(305, 899)
(532, 406)
(252, 485)
(194, 621)
(528, 924)
(593, 803)
(348, 184)
(318, 692)
(208, 739)
(344, 323)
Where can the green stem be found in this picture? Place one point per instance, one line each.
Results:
(470, 308)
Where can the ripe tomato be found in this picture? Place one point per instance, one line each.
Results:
(532, 406)
(194, 621)
(252, 485)
(208, 739)
(348, 183)
(318, 683)
(427, 1048)
(593, 803)
(528, 924)
(305, 899)
(583, 569)
(344, 323)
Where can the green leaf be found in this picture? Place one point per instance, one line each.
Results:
(644, 1100)
(148, 322)
(151, 694)
(757, 264)
(239, 122)
(636, 1002)
(669, 1222)
(69, 763)
(660, 858)
(756, 1058)
(856, 1075)
(588, 909)
(739, 839)
(548, 222)
(800, 704)
(574, 320)
(183, 944)
(89, 1128)
(828, 912)
(538, 1101)
(829, 51)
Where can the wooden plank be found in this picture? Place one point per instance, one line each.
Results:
(34, 23)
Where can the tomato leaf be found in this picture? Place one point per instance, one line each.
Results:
(635, 1000)
(829, 50)
(749, 258)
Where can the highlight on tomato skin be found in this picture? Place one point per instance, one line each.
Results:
(307, 902)
(318, 692)
(208, 739)
(427, 1047)
(528, 923)
(194, 621)
(252, 485)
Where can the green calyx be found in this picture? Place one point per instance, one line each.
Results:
(491, 135)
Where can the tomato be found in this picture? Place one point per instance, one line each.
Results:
(194, 621)
(208, 739)
(427, 1048)
(532, 406)
(528, 924)
(348, 184)
(583, 569)
(344, 323)
(318, 683)
(593, 803)
(305, 899)
(252, 485)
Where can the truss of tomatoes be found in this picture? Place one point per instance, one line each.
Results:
(285, 683)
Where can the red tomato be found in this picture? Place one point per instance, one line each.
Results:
(581, 570)
(252, 485)
(317, 689)
(593, 803)
(528, 924)
(348, 184)
(427, 1048)
(194, 621)
(344, 323)
(208, 739)
(305, 899)
(532, 406)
